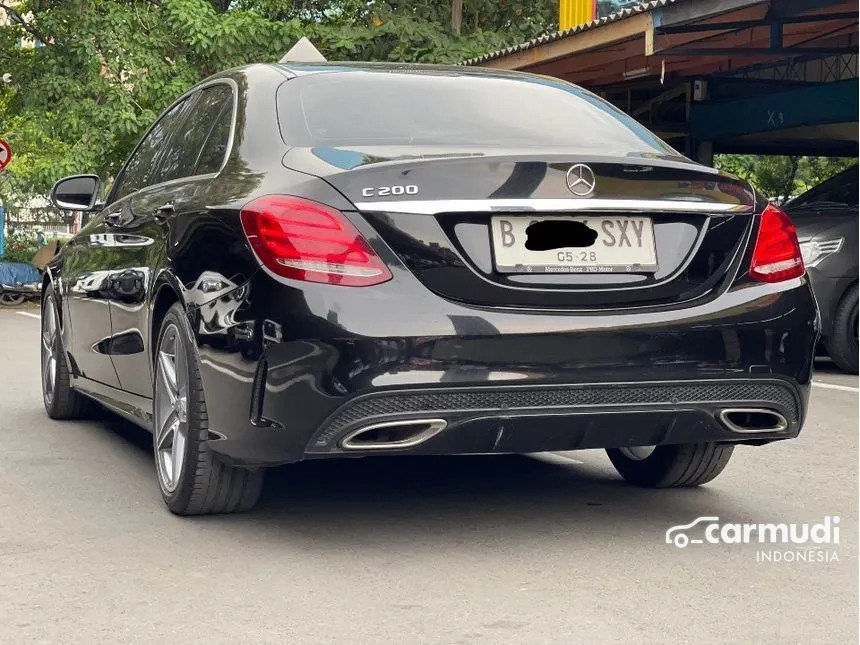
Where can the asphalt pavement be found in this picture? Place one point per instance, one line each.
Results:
(456, 551)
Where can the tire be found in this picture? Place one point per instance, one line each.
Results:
(61, 401)
(191, 479)
(842, 343)
(688, 464)
(10, 299)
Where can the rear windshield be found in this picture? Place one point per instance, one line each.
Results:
(840, 189)
(420, 108)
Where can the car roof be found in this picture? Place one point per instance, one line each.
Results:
(305, 69)
(262, 71)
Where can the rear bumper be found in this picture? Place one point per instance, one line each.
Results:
(535, 419)
(481, 420)
(290, 372)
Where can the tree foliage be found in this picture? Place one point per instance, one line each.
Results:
(782, 177)
(108, 67)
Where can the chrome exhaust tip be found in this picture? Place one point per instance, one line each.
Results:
(752, 420)
(392, 435)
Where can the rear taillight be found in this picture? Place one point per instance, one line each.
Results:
(777, 255)
(304, 240)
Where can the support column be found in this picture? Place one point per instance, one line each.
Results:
(705, 152)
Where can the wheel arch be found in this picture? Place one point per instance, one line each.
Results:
(842, 349)
(838, 301)
(48, 281)
(165, 293)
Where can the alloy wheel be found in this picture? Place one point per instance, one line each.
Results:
(171, 408)
(49, 349)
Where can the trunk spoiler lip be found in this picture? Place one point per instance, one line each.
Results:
(564, 205)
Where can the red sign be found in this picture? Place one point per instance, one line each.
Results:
(5, 154)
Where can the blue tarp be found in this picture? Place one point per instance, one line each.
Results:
(14, 273)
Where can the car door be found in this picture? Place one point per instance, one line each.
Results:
(157, 215)
(91, 260)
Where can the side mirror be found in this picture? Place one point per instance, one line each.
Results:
(76, 193)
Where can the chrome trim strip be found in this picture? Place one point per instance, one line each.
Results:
(781, 421)
(434, 427)
(831, 246)
(436, 206)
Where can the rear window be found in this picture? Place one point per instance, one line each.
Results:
(421, 108)
(840, 189)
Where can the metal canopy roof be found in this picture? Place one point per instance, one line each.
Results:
(685, 67)
(558, 35)
(685, 38)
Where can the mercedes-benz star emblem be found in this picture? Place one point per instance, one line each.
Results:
(580, 180)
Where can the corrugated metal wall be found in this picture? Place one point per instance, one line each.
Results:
(572, 13)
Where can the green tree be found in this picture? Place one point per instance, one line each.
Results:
(814, 170)
(780, 176)
(108, 67)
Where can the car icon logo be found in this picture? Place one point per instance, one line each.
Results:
(580, 180)
(677, 535)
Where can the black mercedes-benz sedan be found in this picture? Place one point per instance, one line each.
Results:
(307, 261)
(826, 218)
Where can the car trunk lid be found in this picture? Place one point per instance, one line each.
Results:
(505, 227)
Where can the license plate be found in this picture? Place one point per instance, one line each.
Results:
(573, 244)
